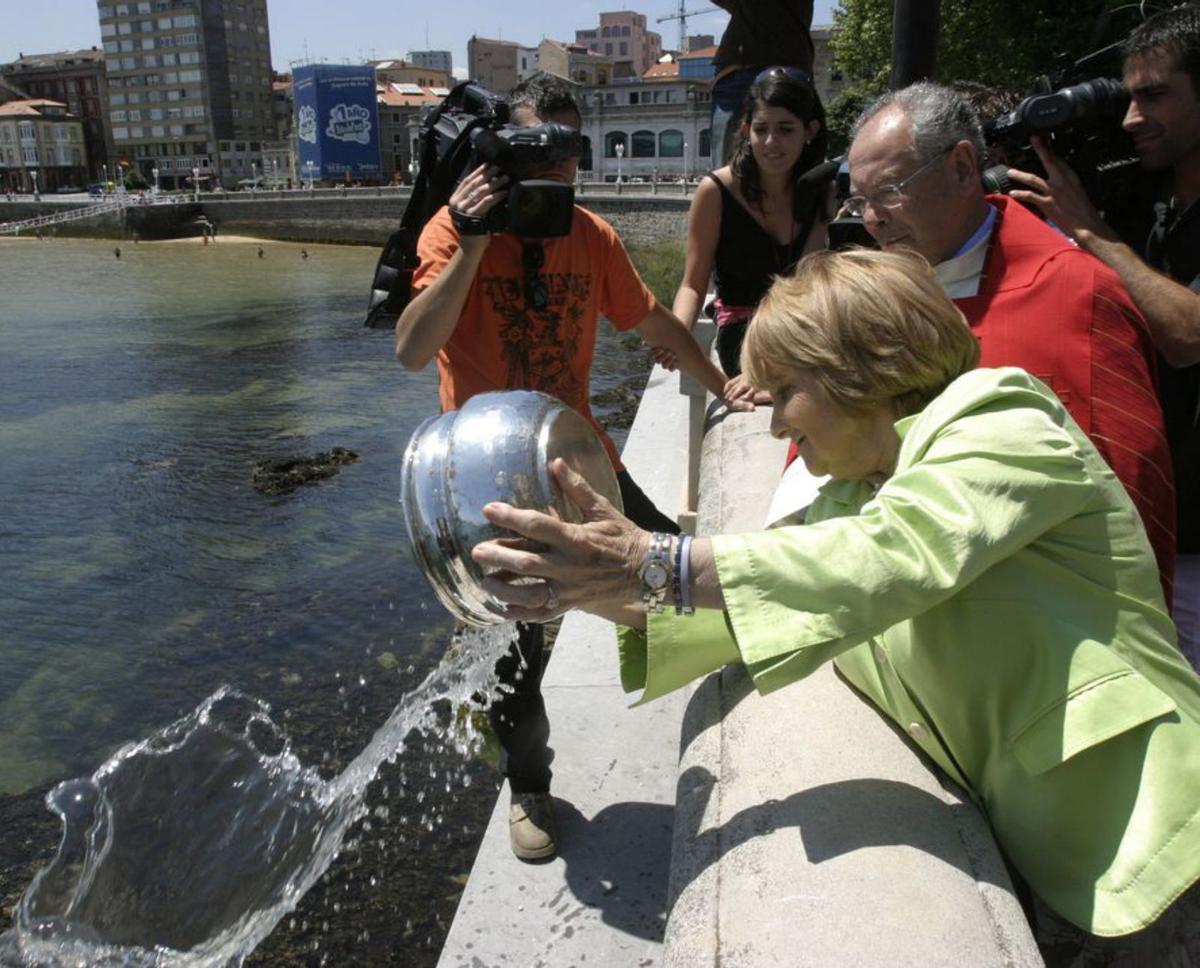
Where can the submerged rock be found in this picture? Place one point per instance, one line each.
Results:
(284, 476)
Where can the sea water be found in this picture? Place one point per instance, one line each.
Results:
(144, 576)
(187, 848)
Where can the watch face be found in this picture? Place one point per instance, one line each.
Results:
(655, 575)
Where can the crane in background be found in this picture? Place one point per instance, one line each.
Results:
(682, 15)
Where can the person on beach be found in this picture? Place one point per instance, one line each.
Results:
(749, 220)
(499, 312)
(973, 567)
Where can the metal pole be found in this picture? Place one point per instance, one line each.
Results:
(914, 41)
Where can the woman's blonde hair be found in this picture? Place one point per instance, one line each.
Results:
(871, 327)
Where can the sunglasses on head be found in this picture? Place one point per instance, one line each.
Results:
(533, 257)
(797, 74)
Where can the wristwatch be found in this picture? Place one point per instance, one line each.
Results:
(655, 572)
(466, 224)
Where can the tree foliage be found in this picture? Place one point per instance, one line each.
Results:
(1000, 43)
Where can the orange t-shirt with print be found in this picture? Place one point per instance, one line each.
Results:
(500, 343)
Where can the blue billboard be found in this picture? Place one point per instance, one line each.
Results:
(337, 122)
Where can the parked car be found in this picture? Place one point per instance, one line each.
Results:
(68, 190)
(95, 189)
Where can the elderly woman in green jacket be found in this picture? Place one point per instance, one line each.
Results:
(973, 567)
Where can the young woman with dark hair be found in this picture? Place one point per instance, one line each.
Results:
(748, 221)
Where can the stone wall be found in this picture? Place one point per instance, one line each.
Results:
(358, 216)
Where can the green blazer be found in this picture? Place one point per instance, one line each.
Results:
(998, 598)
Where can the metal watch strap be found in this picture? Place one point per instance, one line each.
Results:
(655, 572)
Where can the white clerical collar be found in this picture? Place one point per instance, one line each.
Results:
(960, 275)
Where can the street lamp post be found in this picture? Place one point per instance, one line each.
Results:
(685, 164)
(253, 177)
(33, 175)
(154, 172)
(120, 178)
(620, 155)
(196, 184)
(309, 167)
(104, 169)
(275, 173)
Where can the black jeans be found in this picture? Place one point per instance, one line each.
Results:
(729, 347)
(518, 712)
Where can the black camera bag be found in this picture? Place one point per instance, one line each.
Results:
(445, 149)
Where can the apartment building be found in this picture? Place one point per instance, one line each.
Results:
(406, 72)
(656, 126)
(575, 62)
(623, 37)
(189, 85)
(74, 78)
(42, 148)
(499, 65)
(439, 60)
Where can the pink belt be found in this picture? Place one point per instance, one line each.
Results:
(728, 315)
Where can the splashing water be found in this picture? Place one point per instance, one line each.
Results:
(187, 848)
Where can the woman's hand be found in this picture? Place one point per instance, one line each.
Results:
(591, 566)
(664, 357)
(740, 395)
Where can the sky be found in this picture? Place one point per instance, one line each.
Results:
(348, 31)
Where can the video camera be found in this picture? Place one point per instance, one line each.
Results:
(469, 127)
(534, 208)
(1082, 124)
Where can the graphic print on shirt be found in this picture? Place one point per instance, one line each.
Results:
(540, 345)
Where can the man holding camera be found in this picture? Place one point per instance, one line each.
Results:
(500, 312)
(1032, 298)
(1161, 271)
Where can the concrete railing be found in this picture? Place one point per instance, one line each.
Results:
(808, 831)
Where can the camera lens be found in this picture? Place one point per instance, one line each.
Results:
(529, 204)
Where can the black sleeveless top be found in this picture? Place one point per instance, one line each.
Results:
(748, 257)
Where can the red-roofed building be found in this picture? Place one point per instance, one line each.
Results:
(400, 109)
(41, 147)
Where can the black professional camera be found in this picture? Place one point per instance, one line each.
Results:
(1082, 124)
(534, 208)
(470, 126)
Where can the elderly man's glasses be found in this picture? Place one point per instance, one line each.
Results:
(533, 257)
(890, 196)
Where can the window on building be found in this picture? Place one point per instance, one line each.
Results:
(624, 49)
(608, 49)
(670, 144)
(611, 140)
(643, 144)
(705, 142)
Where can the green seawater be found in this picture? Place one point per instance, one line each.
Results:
(140, 569)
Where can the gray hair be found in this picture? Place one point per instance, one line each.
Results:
(939, 117)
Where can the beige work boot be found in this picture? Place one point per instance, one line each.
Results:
(531, 826)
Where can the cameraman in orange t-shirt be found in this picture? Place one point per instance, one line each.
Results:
(501, 312)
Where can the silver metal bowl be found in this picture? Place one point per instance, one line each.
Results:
(496, 448)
